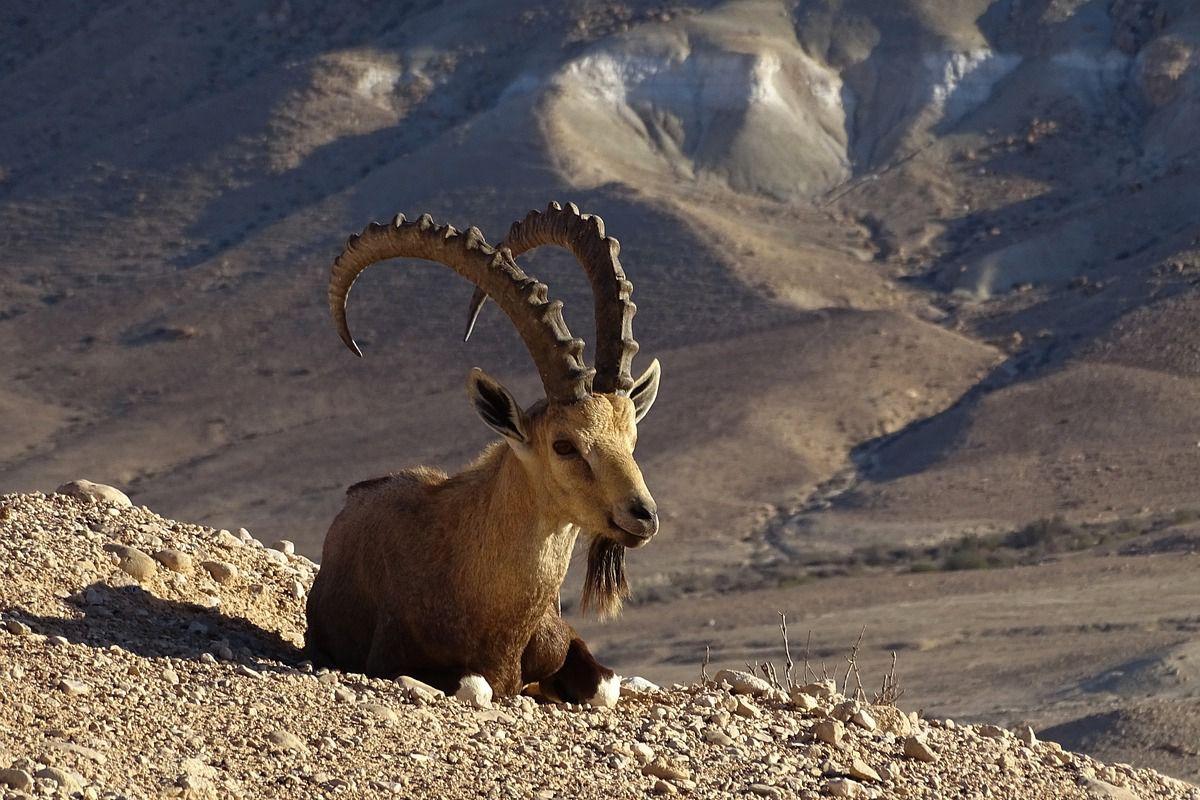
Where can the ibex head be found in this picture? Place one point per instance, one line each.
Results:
(577, 444)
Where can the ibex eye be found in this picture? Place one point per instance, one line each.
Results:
(565, 447)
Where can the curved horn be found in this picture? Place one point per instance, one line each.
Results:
(557, 355)
(583, 235)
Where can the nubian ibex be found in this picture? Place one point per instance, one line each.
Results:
(446, 577)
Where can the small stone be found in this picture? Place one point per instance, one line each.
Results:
(220, 571)
(95, 493)
(73, 687)
(992, 731)
(763, 790)
(745, 708)
(841, 787)
(133, 561)
(68, 782)
(285, 740)
(17, 779)
(78, 749)
(343, 695)
(174, 560)
(171, 676)
(803, 701)
(843, 711)
(863, 719)
(1101, 790)
(662, 787)
(892, 720)
(297, 590)
(245, 536)
(825, 688)
(419, 689)
(249, 672)
(380, 712)
(285, 546)
(863, 771)
(716, 736)
(916, 749)
(228, 540)
(635, 685)
(665, 768)
(1026, 735)
(474, 690)
(743, 682)
(57, 641)
(829, 731)
(17, 628)
(642, 752)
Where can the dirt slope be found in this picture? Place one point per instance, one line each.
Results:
(176, 684)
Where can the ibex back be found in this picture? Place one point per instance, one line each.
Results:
(443, 577)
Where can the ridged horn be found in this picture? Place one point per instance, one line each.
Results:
(557, 355)
(583, 235)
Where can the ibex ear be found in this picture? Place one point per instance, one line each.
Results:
(645, 390)
(496, 406)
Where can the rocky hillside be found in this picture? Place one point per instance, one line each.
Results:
(143, 657)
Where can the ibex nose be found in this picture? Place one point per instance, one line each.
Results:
(637, 521)
(640, 509)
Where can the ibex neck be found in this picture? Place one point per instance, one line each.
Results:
(515, 539)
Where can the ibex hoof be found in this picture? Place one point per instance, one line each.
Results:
(606, 693)
(475, 690)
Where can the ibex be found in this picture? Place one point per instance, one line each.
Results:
(446, 577)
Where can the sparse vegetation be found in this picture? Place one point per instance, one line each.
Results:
(1029, 544)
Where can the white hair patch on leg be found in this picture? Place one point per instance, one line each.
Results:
(607, 692)
(474, 690)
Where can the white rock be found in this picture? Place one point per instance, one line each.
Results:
(285, 546)
(636, 685)
(1026, 735)
(743, 682)
(474, 690)
(95, 493)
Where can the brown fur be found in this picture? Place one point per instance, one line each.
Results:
(436, 576)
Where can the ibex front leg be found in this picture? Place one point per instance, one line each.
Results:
(559, 661)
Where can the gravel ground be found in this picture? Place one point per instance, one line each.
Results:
(142, 657)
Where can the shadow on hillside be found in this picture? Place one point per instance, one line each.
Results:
(132, 619)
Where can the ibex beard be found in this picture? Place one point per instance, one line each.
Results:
(443, 577)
